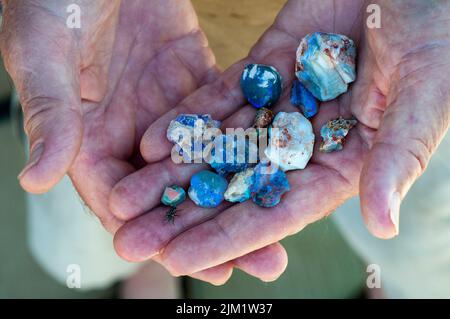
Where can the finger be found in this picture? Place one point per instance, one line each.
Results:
(267, 263)
(415, 121)
(368, 94)
(141, 191)
(144, 237)
(217, 275)
(49, 93)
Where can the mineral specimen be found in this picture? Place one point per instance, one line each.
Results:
(326, 64)
(269, 184)
(334, 133)
(187, 132)
(207, 189)
(261, 85)
(263, 118)
(302, 98)
(232, 154)
(238, 189)
(173, 195)
(291, 141)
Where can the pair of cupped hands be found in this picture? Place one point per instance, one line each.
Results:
(97, 102)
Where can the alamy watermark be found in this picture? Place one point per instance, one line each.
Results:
(374, 278)
(73, 279)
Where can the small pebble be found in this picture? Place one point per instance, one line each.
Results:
(261, 85)
(270, 183)
(291, 141)
(238, 189)
(333, 134)
(303, 99)
(207, 189)
(173, 195)
(263, 118)
(325, 64)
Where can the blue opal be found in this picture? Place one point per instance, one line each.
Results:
(333, 134)
(270, 183)
(173, 195)
(325, 64)
(207, 189)
(303, 99)
(232, 154)
(261, 85)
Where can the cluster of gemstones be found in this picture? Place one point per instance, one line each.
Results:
(325, 66)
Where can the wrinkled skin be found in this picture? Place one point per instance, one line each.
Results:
(401, 100)
(89, 94)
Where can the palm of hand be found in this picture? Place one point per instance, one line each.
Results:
(159, 56)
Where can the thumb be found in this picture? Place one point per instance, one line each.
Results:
(415, 121)
(43, 68)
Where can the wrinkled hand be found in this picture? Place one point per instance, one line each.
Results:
(401, 99)
(89, 94)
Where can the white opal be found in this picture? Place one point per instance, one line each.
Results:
(291, 141)
(239, 187)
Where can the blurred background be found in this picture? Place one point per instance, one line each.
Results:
(321, 264)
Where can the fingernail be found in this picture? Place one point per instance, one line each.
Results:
(35, 155)
(394, 210)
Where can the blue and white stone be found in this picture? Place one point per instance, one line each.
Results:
(233, 154)
(269, 184)
(333, 134)
(207, 189)
(238, 189)
(187, 132)
(325, 64)
(291, 141)
(304, 100)
(261, 85)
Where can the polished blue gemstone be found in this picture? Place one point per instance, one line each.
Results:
(303, 99)
(207, 189)
(261, 85)
(270, 183)
(233, 154)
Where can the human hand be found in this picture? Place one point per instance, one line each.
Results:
(395, 133)
(89, 94)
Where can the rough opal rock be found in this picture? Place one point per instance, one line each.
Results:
(325, 64)
(207, 189)
(186, 131)
(333, 134)
(173, 195)
(261, 85)
(304, 100)
(263, 118)
(238, 189)
(270, 183)
(291, 141)
(232, 155)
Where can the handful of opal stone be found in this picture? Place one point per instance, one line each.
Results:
(245, 167)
